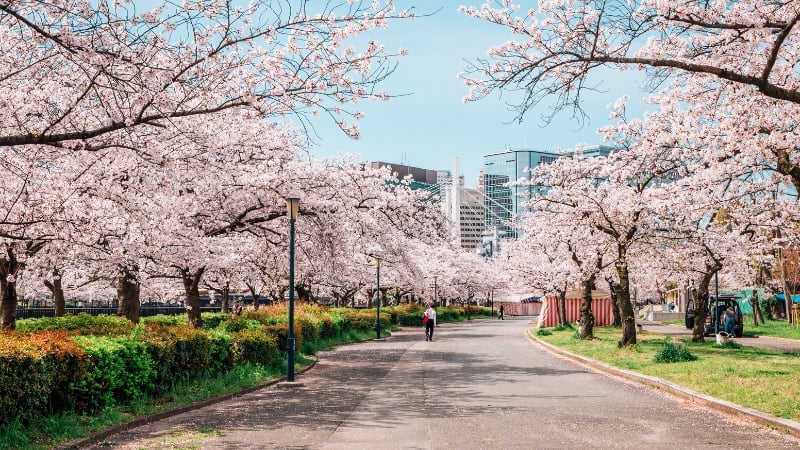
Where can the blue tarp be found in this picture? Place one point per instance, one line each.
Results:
(781, 298)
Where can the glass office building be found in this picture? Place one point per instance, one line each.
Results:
(503, 203)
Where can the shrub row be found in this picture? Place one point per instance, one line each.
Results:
(85, 363)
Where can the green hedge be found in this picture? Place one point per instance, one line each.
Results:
(36, 371)
(84, 363)
(257, 347)
(82, 323)
(117, 370)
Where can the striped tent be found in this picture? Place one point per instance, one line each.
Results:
(527, 304)
(601, 308)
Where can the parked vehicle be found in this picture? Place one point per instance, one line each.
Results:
(714, 321)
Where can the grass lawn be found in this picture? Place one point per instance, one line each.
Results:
(760, 379)
(773, 328)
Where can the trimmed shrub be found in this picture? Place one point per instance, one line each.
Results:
(310, 327)
(36, 374)
(236, 324)
(281, 334)
(212, 320)
(257, 347)
(341, 323)
(409, 315)
(328, 328)
(82, 324)
(160, 345)
(118, 370)
(175, 320)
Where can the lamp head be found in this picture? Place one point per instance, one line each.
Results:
(292, 207)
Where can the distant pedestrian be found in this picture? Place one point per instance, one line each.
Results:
(430, 324)
(237, 309)
(730, 320)
(501, 312)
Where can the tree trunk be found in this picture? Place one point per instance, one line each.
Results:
(225, 297)
(613, 288)
(57, 290)
(757, 317)
(191, 287)
(128, 290)
(370, 294)
(337, 300)
(587, 317)
(701, 306)
(627, 315)
(303, 294)
(254, 294)
(562, 300)
(9, 269)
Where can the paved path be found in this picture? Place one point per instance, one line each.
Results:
(479, 385)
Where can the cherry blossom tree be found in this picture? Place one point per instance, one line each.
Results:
(746, 45)
(77, 74)
(728, 85)
(101, 78)
(541, 259)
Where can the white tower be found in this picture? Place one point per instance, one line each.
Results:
(455, 203)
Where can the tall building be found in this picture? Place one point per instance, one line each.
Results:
(423, 178)
(471, 218)
(463, 206)
(504, 203)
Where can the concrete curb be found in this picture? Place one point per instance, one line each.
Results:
(782, 425)
(98, 436)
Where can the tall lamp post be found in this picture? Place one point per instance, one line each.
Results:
(378, 299)
(292, 207)
(435, 291)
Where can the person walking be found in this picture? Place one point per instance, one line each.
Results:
(430, 324)
(500, 313)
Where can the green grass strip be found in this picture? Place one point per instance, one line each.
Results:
(764, 380)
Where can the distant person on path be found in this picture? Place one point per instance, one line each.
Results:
(500, 313)
(237, 309)
(730, 320)
(430, 324)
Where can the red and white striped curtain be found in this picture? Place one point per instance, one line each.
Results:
(601, 308)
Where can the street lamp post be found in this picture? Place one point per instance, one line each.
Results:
(435, 291)
(292, 207)
(715, 313)
(378, 299)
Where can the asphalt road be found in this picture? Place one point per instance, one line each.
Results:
(479, 385)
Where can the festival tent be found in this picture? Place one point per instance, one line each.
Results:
(519, 304)
(601, 308)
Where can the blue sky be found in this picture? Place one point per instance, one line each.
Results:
(431, 126)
